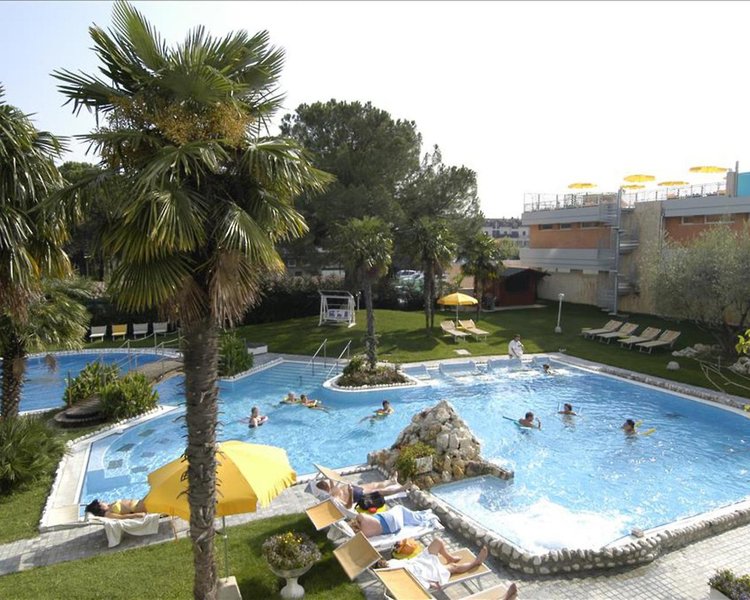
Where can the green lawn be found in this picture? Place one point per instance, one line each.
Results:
(403, 338)
(165, 571)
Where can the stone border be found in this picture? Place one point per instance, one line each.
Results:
(258, 369)
(162, 351)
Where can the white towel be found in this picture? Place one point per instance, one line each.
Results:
(114, 528)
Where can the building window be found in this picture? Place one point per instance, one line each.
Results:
(590, 225)
(546, 226)
(566, 225)
(715, 219)
(692, 220)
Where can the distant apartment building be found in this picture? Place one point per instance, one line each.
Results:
(507, 228)
(591, 245)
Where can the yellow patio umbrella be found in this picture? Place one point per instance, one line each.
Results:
(639, 178)
(581, 186)
(246, 475)
(457, 299)
(633, 186)
(673, 183)
(708, 169)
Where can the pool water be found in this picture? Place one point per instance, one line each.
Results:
(43, 388)
(576, 473)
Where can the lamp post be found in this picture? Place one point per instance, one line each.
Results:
(560, 297)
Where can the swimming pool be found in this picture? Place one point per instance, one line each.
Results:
(577, 473)
(43, 387)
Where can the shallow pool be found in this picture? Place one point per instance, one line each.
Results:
(575, 473)
(44, 387)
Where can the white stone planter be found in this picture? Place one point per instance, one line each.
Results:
(292, 589)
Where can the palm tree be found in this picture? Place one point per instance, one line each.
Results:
(55, 317)
(365, 246)
(210, 199)
(32, 232)
(482, 259)
(434, 248)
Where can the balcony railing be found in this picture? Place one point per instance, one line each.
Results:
(539, 202)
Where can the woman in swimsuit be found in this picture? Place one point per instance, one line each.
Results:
(256, 419)
(119, 509)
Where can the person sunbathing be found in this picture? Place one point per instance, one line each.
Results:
(391, 521)
(429, 570)
(119, 509)
(350, 494)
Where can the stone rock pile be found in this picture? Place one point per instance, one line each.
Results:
(457, 450)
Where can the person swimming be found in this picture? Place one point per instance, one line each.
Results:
(256, 419)
(528, 421)
(308, 403)
(380, 412)
(567, 410)
(629, 427)
(290, 399)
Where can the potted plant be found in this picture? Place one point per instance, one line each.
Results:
(290, 555)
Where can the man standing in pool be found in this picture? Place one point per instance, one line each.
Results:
(528, 421)
(629, 427)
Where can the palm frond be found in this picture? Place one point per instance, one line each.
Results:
(140, 285)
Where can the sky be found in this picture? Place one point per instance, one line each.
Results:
(532, 96)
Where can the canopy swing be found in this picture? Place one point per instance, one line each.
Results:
(337, 307)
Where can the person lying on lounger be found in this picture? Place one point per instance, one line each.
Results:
(350, 494)
(429, 571)
(391, 521)
(119, 509)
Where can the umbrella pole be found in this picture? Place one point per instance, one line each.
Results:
(226, 550)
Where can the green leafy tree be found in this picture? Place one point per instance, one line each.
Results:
(369, 152)
(706, 281)
(508, 249)
(365, 247)
(434, 249)
(32, 233)
(482, 259)
(209, 200)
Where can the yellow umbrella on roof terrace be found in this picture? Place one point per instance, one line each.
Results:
(581, 186)
(673, 183)
(639, 177)
(633, 186)
(708, 169)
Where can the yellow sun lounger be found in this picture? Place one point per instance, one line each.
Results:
(648, 334)
(449, 328)
(610, 326)
(624, 331)
(330, 474)
(469, 326)
(324, 514)
(119, 331)
(356, 555)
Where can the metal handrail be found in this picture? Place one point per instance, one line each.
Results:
(336, 364)
(312, 360)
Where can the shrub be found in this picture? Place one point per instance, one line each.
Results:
(29, 449)
(289, 551)
(127, 397)
(358, 374)
(733, 587)
(406, 463)
(92, 378)
(233, 355)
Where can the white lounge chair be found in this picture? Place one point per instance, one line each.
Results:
(648, 334)
(114, 528)
(97, 332)
(449, 328)
(624, 331)
(469, 326)
(140, 329)
(610, 326)
(667, 338)
(160, 328)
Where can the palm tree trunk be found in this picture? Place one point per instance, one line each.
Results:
(428, 282)
(480, 292)
(14, 366)
(370, 341)
(201, 415)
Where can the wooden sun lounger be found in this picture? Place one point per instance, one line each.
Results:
(624, 331)
(469, 326)
(610, 326)
(648, 334)
(324, 514)
(330, 474)
(399, 585)
(667, 338)
(449, 328)
(356, 555)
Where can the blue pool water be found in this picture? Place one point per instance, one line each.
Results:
(577, 475)
(44, 388)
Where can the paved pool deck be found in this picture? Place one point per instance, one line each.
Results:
(680, 575)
